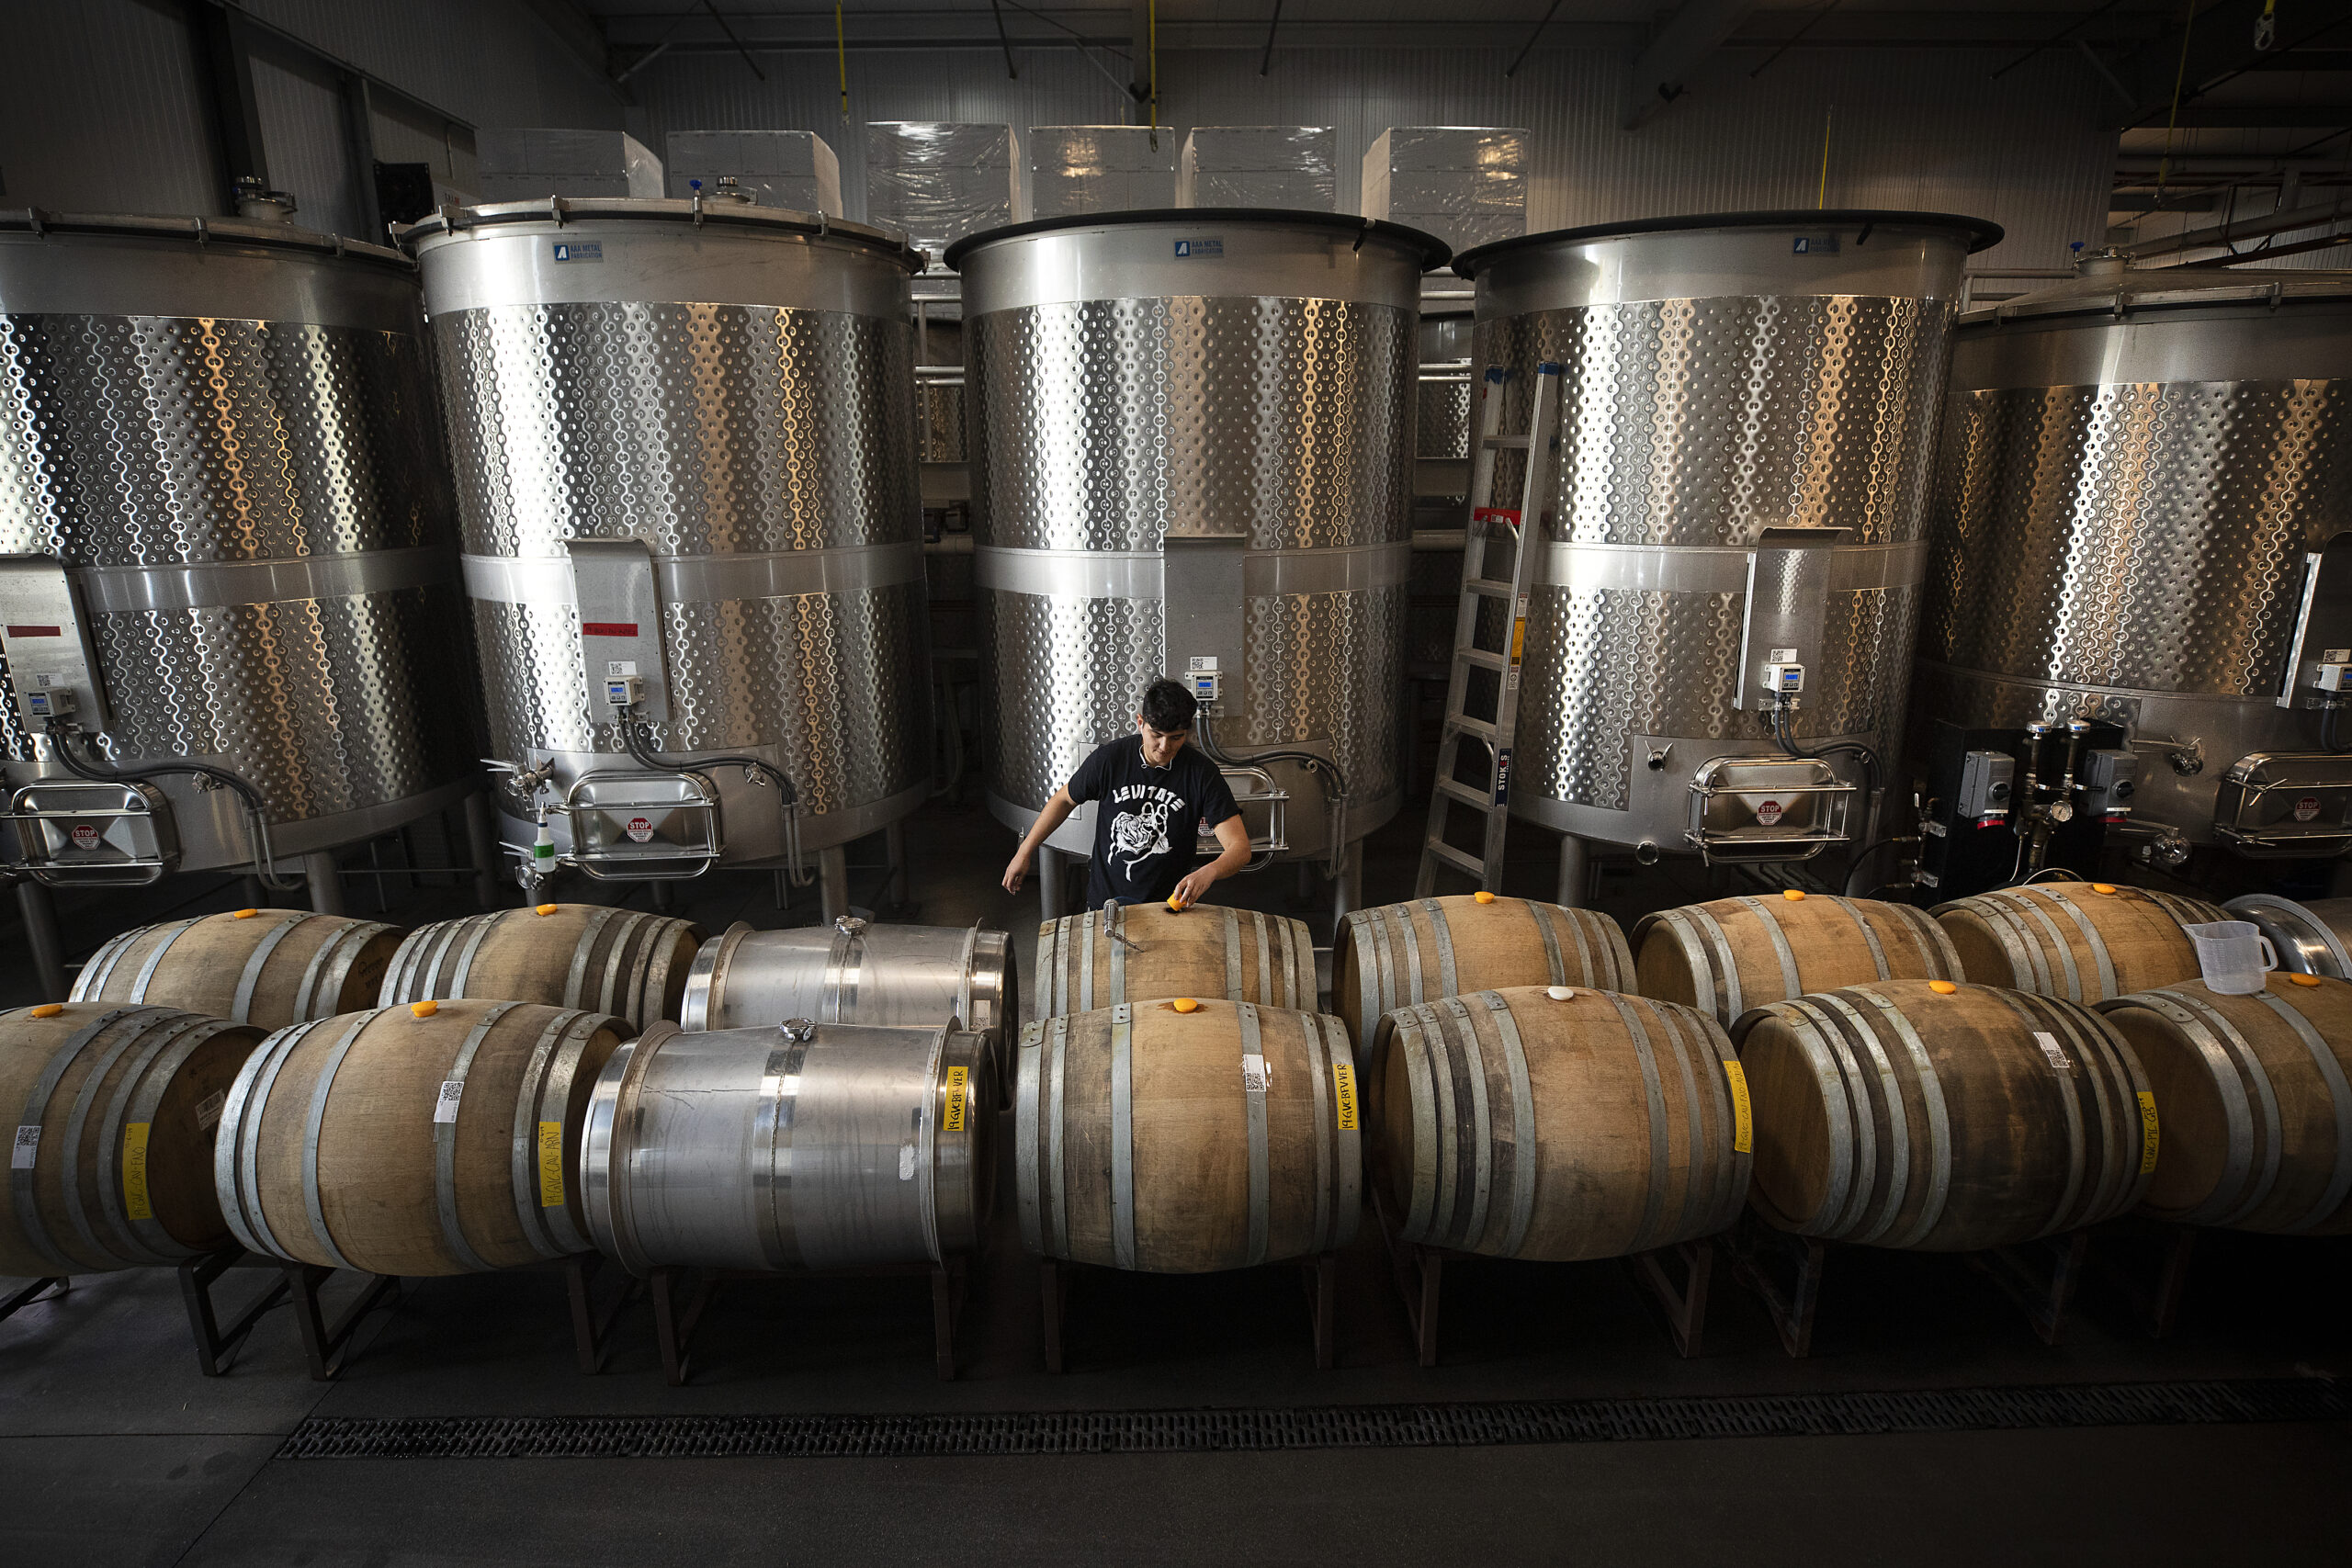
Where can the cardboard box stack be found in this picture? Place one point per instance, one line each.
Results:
(1100, 168)
(1465, 184)
(1260, 165)
(939, 181)
(794, 169)
(519, 163)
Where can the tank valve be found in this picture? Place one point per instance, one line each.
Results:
(1646, 853)
(2187, 759)
(1657, 757)
(800, 1029)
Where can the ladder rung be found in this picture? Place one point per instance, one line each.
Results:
(1463, 723)
(1455, 858)
(1505, 443)
(1487, 587)
(1465, 794)
(1482, 659)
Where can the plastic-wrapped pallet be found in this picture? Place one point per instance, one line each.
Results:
(1260, 165)
(518, 163)
(1100, 168)
(937, 181)
(792, 169)
(1465, 184)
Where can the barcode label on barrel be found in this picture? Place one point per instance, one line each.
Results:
(445, 1108)
(1253, 1074)
(2049, 1043)
(1743, 1121)
(2147, 1133)
(1343, 1087)
(25, 1148)
(550, 1165)
(134, 1172)
(208, 1109)
(954, 1120)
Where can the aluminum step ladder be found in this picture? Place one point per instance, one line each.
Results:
(1489, 524)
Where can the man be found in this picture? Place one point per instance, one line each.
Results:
(1155, 792)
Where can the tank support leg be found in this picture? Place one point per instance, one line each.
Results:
(39, 912)
(1575, 888)
(326, 883)
(481, 843)
(832, 879)
(894, 848)
(1347, 888)
(1052, 883)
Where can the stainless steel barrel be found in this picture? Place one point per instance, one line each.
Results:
(856, 972)
(1748, 405)
(2311, 938)
(226, 540)
(687, 469)
(813, 1145)
(2143, 516)
(1193, 456)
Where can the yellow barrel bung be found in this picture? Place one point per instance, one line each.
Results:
(1942, 987)
(1483, 896)
(1185, 1004)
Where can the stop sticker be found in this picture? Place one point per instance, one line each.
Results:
(2307, 808)
(1768, 813)
(639, 829)
(85, 836)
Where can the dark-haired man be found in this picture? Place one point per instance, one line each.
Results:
(1156, 792)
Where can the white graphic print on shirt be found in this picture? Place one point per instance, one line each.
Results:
(1139, 832)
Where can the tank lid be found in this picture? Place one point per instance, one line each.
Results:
(1979, 232)
(1431, 251)
(273, 233)
(700, 211)
(2108, 285)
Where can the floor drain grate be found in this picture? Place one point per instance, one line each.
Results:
(1325, 1426)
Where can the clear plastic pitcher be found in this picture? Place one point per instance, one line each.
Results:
(2233, 955)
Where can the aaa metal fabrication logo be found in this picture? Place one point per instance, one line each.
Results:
(579, 250)
(1816, 245)
(1187, 248)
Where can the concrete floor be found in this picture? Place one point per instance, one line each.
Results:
(113, 1449)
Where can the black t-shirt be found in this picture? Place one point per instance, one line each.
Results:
(1145, 824)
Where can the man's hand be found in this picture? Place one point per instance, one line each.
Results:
(1195, 887)
(1016, 870)
(1233, 839)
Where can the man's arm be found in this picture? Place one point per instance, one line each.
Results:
(1057, 812)
(1233, 837)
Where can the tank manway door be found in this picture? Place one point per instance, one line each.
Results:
(2283, 804)
(71, 832)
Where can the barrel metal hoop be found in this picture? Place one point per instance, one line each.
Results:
(1548, 922)
(642, 999)
(624, 969)
(2107, 985)
(1729, 996)
(2027, 970)
(2095, 1054)
(139, 1098)
(110, 1051)
(2330, 1071)
(1935, 951)
(2119, 1110)
(240, 1004)
(1086, 925)
(773, 1134)
(1805, 1027)
(546, 1086)
(1384, 953)
(1939, 1144)
(1296, 984)
(1271, 994)
(1114, 921)
(1653, 1202)
(1050, 999)
(1123, 1135)
(148, 1040)
(2038, 911)
(1473, 1125)
(1234, 990)
(1737, 1166)
(444, 1144)
(657, 978)
(1522, 1125)
(24, 1195)
(1791, 982)
(1347, 1144)
(90, 985)
(462, 971)
(1417, 1035)
(236, 1146)
(1318, 1069)
(1870, 936)
(927, 1141)
(1410, 942)
(1694, 1123)
(1442, 935)
(968, 983)
(2245, 1087)
(2237, 1110)
(575, 979)
(424, 981)
(2266, 1095)
(1254, 1101)
(839, 953)
(311, 1125)
(1898, 1120)
(1024, 1136)
(347, 945)
(1059, 1036)
(155, 956)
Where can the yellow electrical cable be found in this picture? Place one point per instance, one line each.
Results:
(841, 49)
(1153, 12)
(2180, 77)
(1821, 198)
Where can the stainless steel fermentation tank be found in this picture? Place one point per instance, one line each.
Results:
(1748, 405)
(1191, 449)
(2143, 516)
(685, 444)
(226, 543)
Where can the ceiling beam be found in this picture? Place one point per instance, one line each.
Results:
(2219, 235)
(1689, 36)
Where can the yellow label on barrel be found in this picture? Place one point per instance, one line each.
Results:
(954, 1120)
(2147, 1132)
(550, 1165)
(1343, 1084)
(1743, 1122)
(134, 1172)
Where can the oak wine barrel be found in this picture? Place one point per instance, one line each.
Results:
(1398, 955)
(2256, 1092)
(1940, 1117)
(271, 967)
(436, 1138)
(1144, 952)
(630, 962)
(2082, 940)
(111, 1162)
(885, 1133)
(1730, 954)
(1608, 1125)
(2311, 938)
(1182, 1136)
